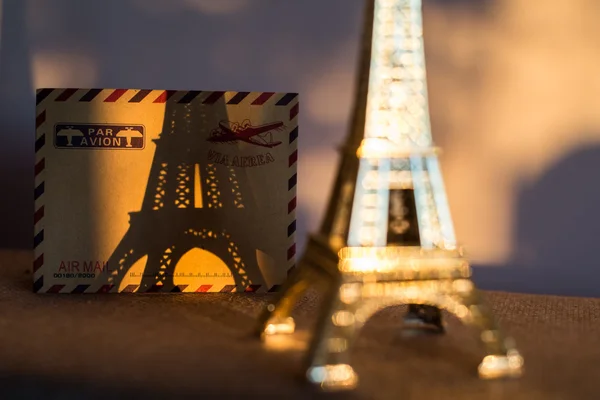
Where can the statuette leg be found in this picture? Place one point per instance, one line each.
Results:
(276, 318)
(502, 359)
(328, 359)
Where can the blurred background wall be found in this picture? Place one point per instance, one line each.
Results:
(514, 95)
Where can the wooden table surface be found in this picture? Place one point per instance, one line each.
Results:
(199, 346)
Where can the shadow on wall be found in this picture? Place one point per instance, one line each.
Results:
(225, 225)
(557, 232)
(16, 131)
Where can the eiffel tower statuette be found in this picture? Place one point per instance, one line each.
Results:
(388, 237)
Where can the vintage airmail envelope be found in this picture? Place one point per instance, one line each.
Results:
(164, 191)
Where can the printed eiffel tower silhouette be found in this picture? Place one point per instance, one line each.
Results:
(189, 203)
(387, 237)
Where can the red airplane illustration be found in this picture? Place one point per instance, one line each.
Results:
(259, 135)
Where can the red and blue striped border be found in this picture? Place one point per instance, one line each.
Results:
(43, 96)
(78, 289)
(292, 180)
(164, 96)
(38, 194)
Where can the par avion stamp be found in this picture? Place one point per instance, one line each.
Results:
(99, 136)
